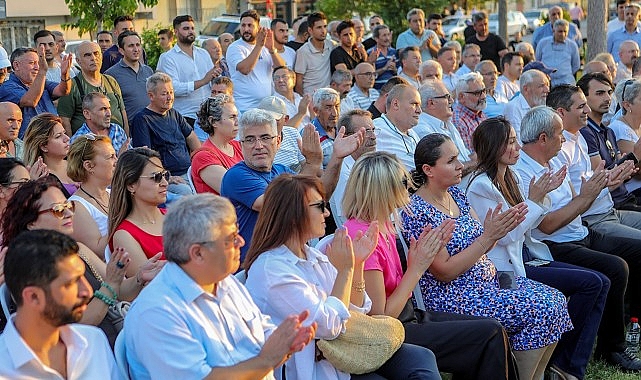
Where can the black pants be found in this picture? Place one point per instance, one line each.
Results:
(469, 347)
(612, 257)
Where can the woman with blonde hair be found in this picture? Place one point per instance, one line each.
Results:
(91, 162)
(46, 139)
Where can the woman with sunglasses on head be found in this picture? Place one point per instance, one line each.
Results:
(285, 276)
(493, 182)
(218, 117)
(461, 279)
(91, 162)
(138, 187)
(46, 139)
(41, 204)
(627, 126)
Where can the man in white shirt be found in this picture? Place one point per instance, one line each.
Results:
(508, 83)
(628, 53)
(363, 93)
(45, 277)
(297, 106)
(431, 69)
(403, 109)
(342, 83)
(281, 35)
(535, 87)
(411, 61)
(312, 59)
(198, 321)
(190, 68)
(251, 61)
(471, 58)
(447, 58)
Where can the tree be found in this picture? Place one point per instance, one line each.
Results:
(96, 15)
(597, 22)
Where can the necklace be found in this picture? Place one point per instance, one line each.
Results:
(102, 205)
(449, 204)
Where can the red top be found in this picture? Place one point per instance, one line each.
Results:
(150, 244)
(210, 154)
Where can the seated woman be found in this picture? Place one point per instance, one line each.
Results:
(462, 279)
(13, 173)
(218, 117)
(627, 127)
(286, 276)
(138, 187)
(41, 204)
(374, 191)
(46, 139)
(91, 161)
(495, 144)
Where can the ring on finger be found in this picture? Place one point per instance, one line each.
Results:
(120, 264)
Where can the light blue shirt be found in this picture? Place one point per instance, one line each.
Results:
(541, 32)
(563, 56)
(429, 124)
(494, 106)
(408, 38)
(176, 330)
(615, 38)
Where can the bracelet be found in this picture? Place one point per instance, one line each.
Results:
(104, 298)
(111, 289)
(482, 245)
(65, 80)
(359, 286)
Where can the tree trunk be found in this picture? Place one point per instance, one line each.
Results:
(503, 20)
(597, 21)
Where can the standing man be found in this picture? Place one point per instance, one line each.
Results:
(383, 56)
(90, 80)
(507, 85)
(468, 108)
(492, 46)
(630, 31)
(105, 40)
(112, 55)
(535, 87)
(46, 39)
(189, 67)
(576, 15)
(447, 60)
(252, 60)
(280, 29)
(42, 340)
(97, 113)
(216, 53)
(424, 39)
(363, 93)
(312, 59)
(302, 35)
(27, 85)
(374, 21)
(435, 24)
(559, 52)
(547, 30)
(165, 39)
(131, 74)
(347, 55)
(411, 63)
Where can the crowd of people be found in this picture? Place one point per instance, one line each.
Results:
(215, 217)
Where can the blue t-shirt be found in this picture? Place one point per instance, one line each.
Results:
(13, 90)
(243, 185)
(165, 134)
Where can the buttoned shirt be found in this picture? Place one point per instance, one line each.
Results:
(429, 124)
(184, 71)
(336, 200)
(414, 81)
(88, 355)
(514, 111)
(177, 330)
(563, 56)
(115, 133)
(505, 88)
(528, 168)
(449, 80)
(408, 38)
(494, 105)
(360, 99)
(466, 121)
(546, 30)
(463, 70)
(381, 61)
(392, 140)
(618, 36)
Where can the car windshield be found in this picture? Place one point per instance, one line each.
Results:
(217, 27)
(494, 17)
(450, 21)
(533, 14)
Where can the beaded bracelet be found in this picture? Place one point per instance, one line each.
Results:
(111, 289)
(359, 286)
(104, 298)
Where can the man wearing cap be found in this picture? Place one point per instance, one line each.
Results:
(558, 51)
(4, 65)
(288, 154)
(535, 86)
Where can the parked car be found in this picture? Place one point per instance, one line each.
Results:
(515, 22)
(227, 23)
(453, 26)
(535, 18)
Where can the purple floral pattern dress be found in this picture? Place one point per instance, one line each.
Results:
(534, 315)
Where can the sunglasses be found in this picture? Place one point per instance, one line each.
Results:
(158, 176)
(627, 82)
(322, 206)
(88, 137)
(58, 209)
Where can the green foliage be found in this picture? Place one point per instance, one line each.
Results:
(151, 45)
(94, 15)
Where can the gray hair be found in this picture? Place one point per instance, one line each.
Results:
(538, 120)
(415, 11)
(87, 101)
(428, 90)
(256, 117)
(191, 220)
(561, 22)
(529, 76)
(463, 82)
(488, 62)
(155, 79)
(469, 47)
(346, 120)
(632, 90)
(341, 76)
(431, 63)
(453, 44)
(524, 47)
(325, 94)
(213, 107)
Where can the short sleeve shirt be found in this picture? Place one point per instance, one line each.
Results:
(13, 90)
(208, 155)
(490, 48)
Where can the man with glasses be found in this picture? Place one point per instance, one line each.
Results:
(495, 102)
(535, 86)
(468, 108)
(363, 93)
(198, 320)
(297, 106)
(471, 57)
(245, 183)
(403, 108)
(97, 112)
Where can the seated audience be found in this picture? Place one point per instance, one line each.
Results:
(13, 174)
(97, 112)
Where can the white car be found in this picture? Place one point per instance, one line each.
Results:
(453, 26)
(535, 18)
(516, 22)
(226, 23)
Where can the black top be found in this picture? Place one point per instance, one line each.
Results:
(490, 48)
(369, 43)
(339, 55)
(294, 45)
(374, 111)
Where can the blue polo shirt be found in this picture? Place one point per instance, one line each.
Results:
(13, 90)
(133, 86)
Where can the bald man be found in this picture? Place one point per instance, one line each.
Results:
(596, 67)
(89, 57)
(363, 93)
(215, 51)
(10, 121)
(628, 53)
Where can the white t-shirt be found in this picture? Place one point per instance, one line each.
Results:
(249, 89)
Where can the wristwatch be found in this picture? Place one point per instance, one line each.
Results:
(273, 51)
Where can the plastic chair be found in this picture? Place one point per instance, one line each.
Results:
(190, 180)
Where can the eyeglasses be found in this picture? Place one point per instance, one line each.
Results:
(158, 176)
(374, 131)
(89, 137)
(233, 240)
(477, 93)
(252, 140)
(371, 75)
(322, 206)
(58, 209)
(627, 82)
(445, 96)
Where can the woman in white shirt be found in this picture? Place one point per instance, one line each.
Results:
(627, 127)
(286, 276)
(493, 183)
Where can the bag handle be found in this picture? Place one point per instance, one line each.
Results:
(418, 296)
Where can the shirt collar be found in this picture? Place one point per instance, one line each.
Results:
(529, 161)
(432, 121)
(314, 256)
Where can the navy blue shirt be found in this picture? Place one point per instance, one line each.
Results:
(166, 134)
(13, 90)
(133, 86)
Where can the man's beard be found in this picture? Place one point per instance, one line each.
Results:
(58, 315)
(249, 39)
(187, 39)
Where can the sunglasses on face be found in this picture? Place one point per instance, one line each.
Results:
(322, 206)
(158, 176)
(58, 209)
